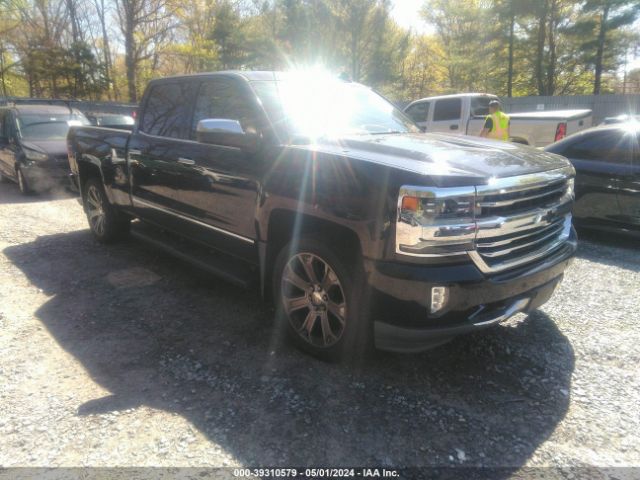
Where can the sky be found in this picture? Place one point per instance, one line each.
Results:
(407, 14)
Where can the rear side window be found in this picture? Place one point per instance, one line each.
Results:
(480, 106)
(418, 112)
(167, 110)
(223, 98)
(612, 146)
(447, 109)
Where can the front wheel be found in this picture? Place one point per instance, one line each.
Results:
(319, 301)
(106, 223)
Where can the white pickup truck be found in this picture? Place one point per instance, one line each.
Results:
(465, 113)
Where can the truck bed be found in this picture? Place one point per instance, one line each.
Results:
(106, 148)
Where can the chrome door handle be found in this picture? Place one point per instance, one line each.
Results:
(186, 161)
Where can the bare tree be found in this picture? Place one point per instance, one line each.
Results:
(145, 26)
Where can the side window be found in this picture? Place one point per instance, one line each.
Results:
(447, 109)
(612, 147)
(167, 110)
(223, 98)
(419, 112)
(7, 131)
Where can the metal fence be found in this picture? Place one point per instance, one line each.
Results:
(601, 105)
(82, 105)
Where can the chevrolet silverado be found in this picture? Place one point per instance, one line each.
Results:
(364, 230)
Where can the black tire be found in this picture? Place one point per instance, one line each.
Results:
(350, 340)
(106, 223)
(23, 185)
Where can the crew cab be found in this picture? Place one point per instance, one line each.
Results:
(362, 229)
(465, 113)
(33, 150)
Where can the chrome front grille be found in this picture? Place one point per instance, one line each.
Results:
(502, 225)
(522, 219)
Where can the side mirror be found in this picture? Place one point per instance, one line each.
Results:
(229, 133)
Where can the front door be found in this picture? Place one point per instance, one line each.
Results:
(419, 113)
(221, 182)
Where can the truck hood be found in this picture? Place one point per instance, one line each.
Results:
(434, 154)
(53, 148)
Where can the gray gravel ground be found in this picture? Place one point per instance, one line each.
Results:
(121, 356)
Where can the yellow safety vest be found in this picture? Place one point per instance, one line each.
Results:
(500, 129)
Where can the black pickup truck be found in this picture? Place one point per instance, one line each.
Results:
(360, 226)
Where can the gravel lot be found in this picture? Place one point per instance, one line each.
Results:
(122, 356)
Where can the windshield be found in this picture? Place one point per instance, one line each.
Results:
(329, 108)
(41, 126)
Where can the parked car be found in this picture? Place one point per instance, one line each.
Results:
(110, 120)
(621, 119)
(607, 163)
(33, 147)
(465, 113)
(354, 221)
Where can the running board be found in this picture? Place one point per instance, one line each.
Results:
(226, 267)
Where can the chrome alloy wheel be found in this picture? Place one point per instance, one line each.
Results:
(313, 300)
(95, 210)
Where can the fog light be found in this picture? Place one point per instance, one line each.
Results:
(439, 298)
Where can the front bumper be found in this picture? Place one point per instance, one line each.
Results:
(43, 176)
(402, 293)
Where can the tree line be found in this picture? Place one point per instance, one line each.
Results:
(109, 49)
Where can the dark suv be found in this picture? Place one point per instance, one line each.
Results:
(320, 190)
(33, 148)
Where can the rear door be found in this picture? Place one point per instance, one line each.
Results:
(629, 184)
(155, 150)
(601, 160)
(419, 113)
(447, 116)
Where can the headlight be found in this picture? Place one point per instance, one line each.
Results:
(35, 156)
(435, 221)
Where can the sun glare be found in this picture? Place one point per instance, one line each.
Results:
(319, 103)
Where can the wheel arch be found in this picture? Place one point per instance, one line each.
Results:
(89, 167)
(285, 225)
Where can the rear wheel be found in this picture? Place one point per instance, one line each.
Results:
(319, 301)
(106, 223)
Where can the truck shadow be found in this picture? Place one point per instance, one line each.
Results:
(155, 332)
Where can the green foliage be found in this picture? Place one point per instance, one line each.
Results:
(518, 47)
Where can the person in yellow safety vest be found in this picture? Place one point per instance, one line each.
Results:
(496, 125)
